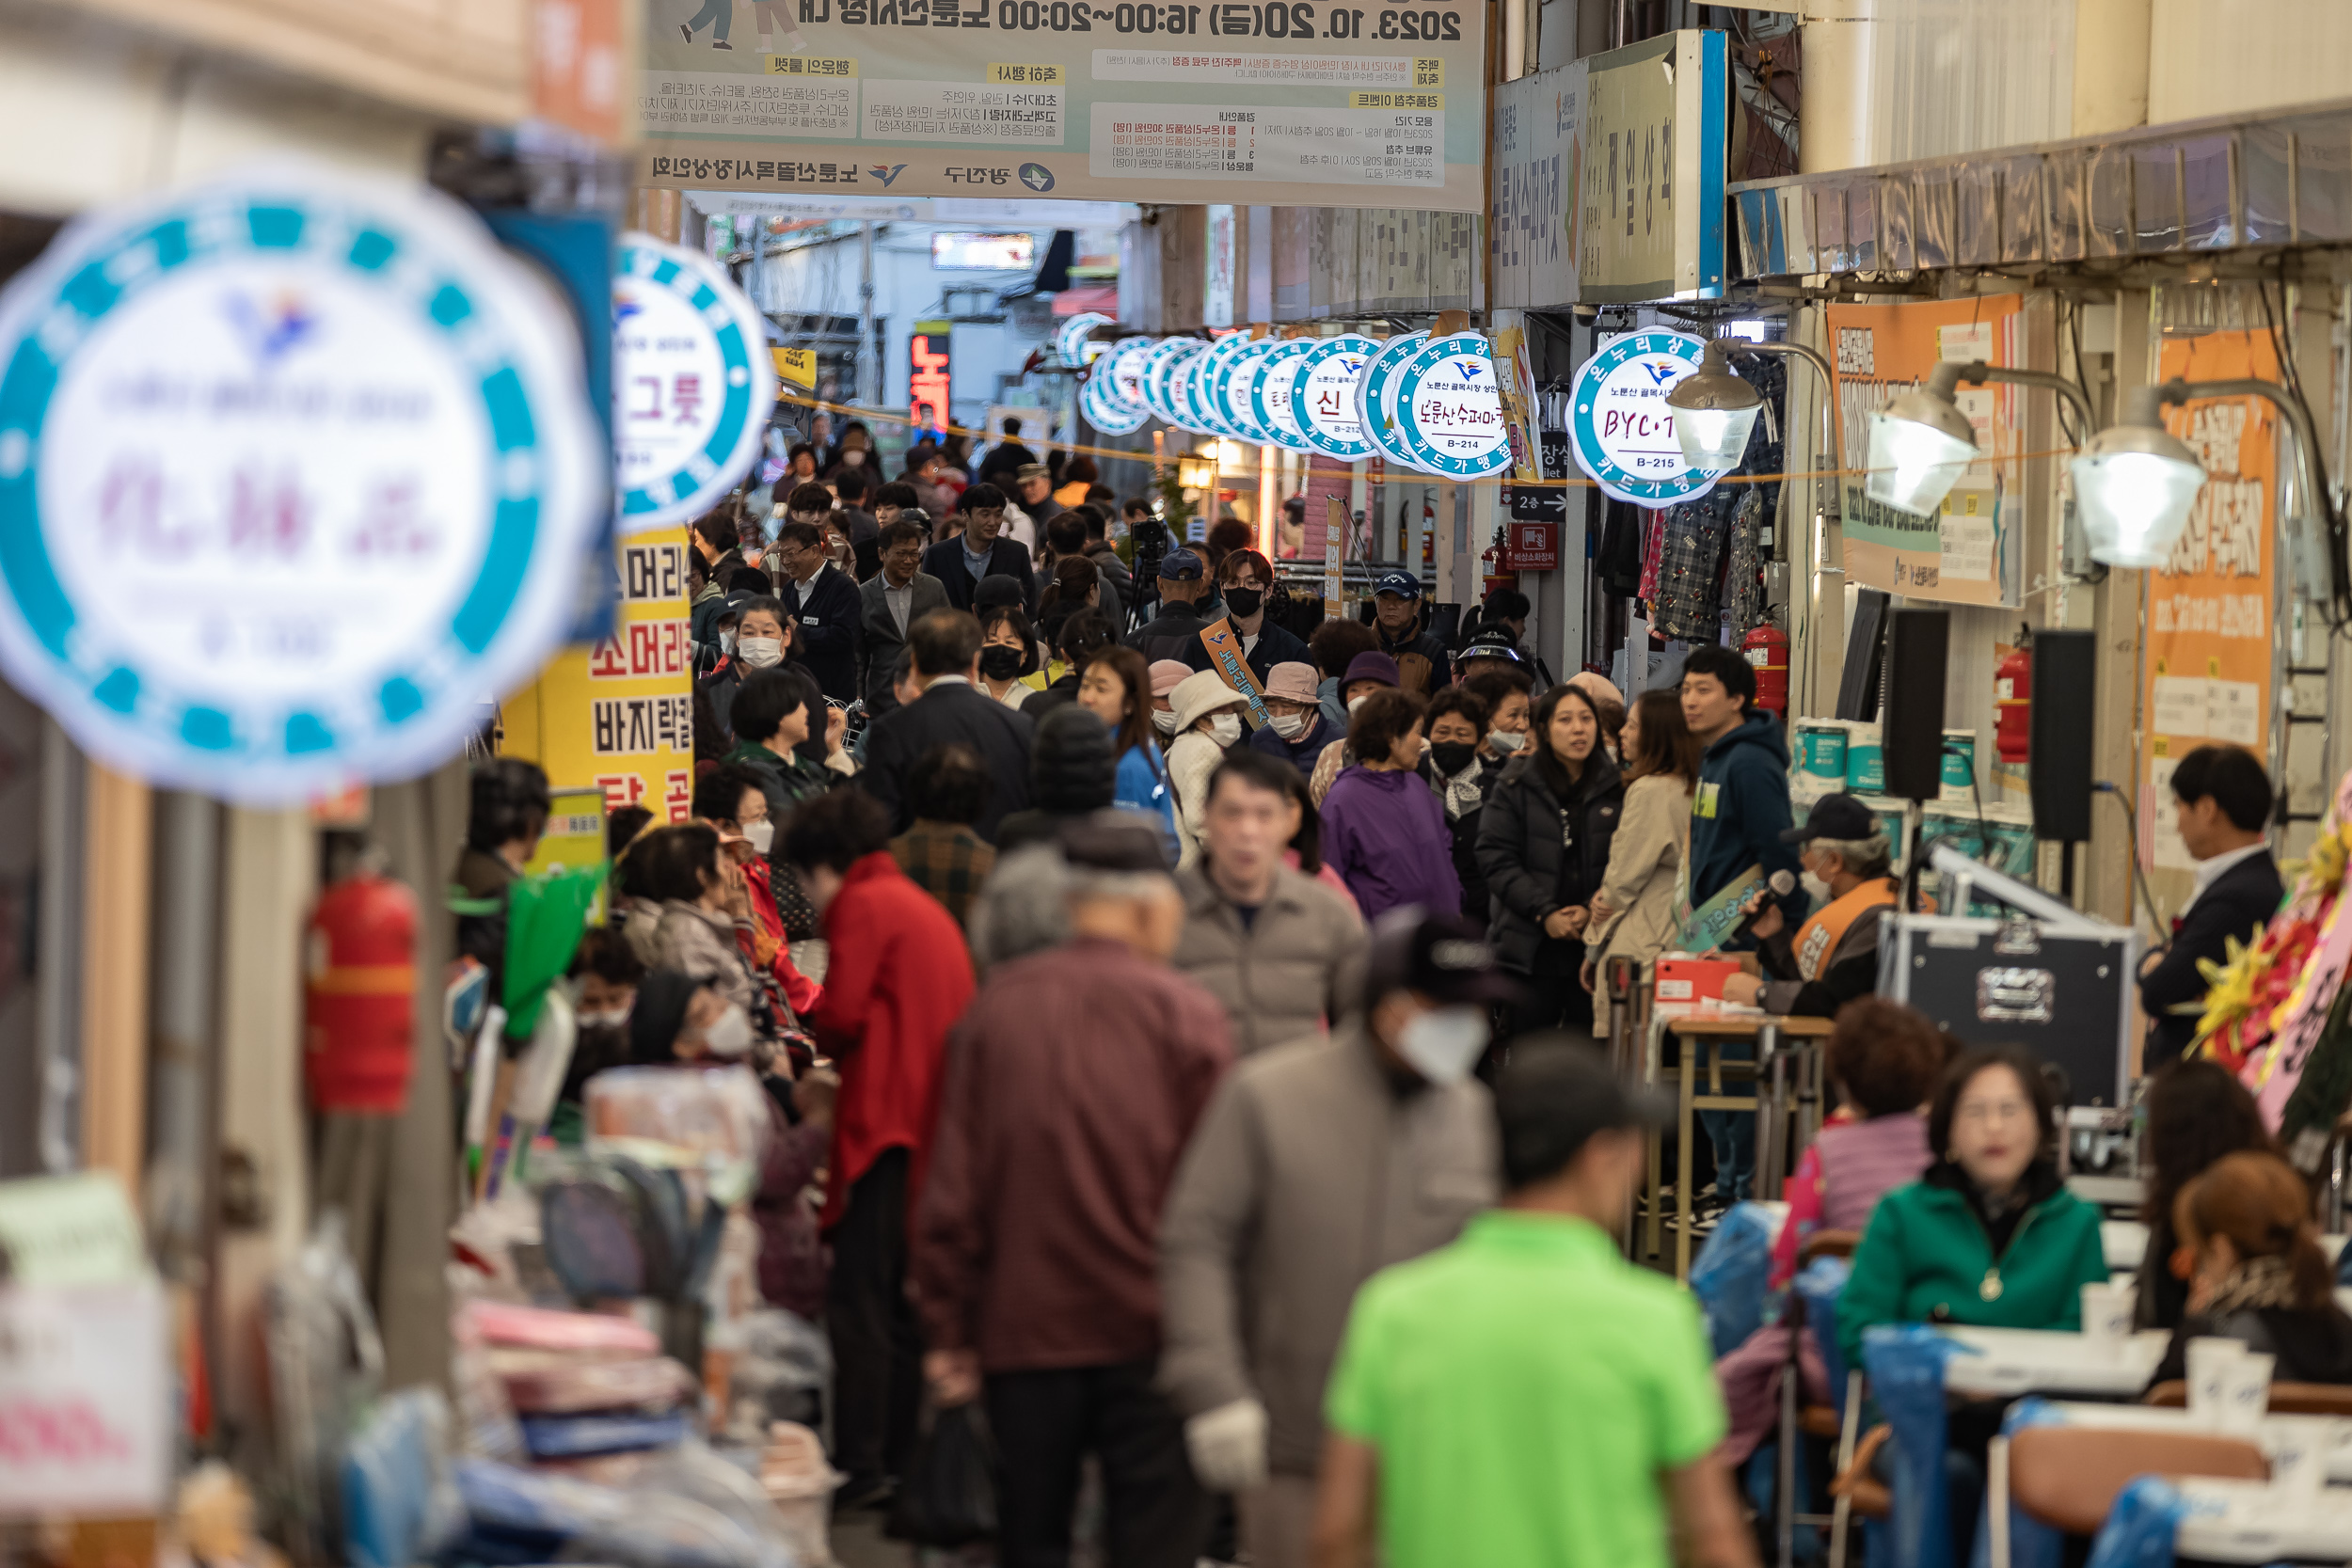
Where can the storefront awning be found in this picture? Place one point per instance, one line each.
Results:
(1098, 296)
(2283, 178)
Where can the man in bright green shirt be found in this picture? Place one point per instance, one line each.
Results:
(1525, 1398)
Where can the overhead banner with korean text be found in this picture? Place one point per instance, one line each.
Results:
(2208, 631)
(1973, 552)
(1267, 101)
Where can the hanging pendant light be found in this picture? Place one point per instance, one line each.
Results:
(1713, 411)
(2135, 483)
(1920, 444)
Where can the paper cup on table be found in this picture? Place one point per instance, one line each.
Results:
(2246, 1393)
(2107, 1314)
(2207, 1359)
(2299, 1457)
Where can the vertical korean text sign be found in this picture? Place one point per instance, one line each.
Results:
(619, 715)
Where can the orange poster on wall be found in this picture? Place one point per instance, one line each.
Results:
(2209, 607)
(1973, 552)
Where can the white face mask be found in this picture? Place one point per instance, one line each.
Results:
(726, 642)
(1226, 727)
(1443, 1045)
(606, 1017)
(1290, 726)
(1358, 701)
(1816, 890)
(1505, 742)
(854, 458)
(761, 651)
(732, 1035)
(1164, 720)
(761, 834)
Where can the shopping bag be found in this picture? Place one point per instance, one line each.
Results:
(949, 1494)
(1730, 1273)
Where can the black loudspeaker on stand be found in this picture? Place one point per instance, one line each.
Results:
(1910, 721)
(2060, 742)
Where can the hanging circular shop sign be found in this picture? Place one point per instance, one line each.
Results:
(1620, 428)
(1070, 343)
(1375, 398)
(1270, 393)
(1233, 380)
(1125, 364)
(1159, 368)
(294, 474)
(1213, 366)
(1106, 411)
(1323, 395)
(1199, 405)
(1449, 416)
(692, 384)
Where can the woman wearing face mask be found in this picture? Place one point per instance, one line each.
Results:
(607, 972)
(1208, 719)
(1504, 692)
(1166, 675)
(763, 640)
(703, 898)
(1458, 768)
(733, 801)
(1848, 861)
(1633, 915)
(1367, 672)
(1008, 651)
(1544, 845)
(1116, 688)
(1989, 1237)
(1383, 830)
(1299, 731)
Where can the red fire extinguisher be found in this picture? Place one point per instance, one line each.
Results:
(359, 987)
(1766, 649)
(2012, 700)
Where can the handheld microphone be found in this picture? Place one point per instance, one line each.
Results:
(1781, 884)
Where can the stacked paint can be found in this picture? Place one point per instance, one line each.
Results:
(1959, 773)
(1820, 762)
(1865, 759)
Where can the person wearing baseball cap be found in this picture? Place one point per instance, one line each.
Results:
(1404, 636)
(1175, 631)
(1033, 485)
(1299, 732)
(1847, 859)
(1317, 1164)
(1525, 1394)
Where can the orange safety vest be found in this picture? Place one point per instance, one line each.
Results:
(1818, 937)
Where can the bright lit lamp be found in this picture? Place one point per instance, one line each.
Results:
(1713, 411)
(1195, 471)
(1920, 444)
(2135, 483)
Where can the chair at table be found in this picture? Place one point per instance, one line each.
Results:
(2067, 1478)
(2286, 1399)
(1816, 1421)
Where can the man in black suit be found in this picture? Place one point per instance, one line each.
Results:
(2224, 802)
(980, 551)
(823, 601)
(901, 594)
(947, 648)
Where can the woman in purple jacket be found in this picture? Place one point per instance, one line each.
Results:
(1384, 829)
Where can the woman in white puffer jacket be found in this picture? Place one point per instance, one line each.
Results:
(1208, 719)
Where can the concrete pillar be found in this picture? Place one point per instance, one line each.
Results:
(1834, 112)
(2110, 64)
(2118, 606)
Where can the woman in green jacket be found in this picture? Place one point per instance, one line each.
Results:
(1989, 1236)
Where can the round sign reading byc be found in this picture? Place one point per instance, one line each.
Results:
(692, 384)
(295, 472)
(1449, 414)
(1620, 428)
(1323, 395)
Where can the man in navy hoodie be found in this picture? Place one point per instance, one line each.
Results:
(1737, 813)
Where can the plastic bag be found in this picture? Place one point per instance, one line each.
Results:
(1730, 1273)
(2140, 1526)
(401, 1503)
(779, 1366)
(1818, 1285)
(1904, 1363)
(948, 1496)
(2031, 1542)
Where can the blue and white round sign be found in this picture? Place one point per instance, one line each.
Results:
(692, 384)
(1106, 411)
(1159, 368)
(1375, 398)
(1193, 396)
(295, 472)
(1270, 393)
(1070, 343)
(1323, 395)
(1231, 397)
(1125, 363)
(1620, 428)
(1213, 370)
(1448, 415)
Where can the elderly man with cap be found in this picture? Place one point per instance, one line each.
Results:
(1074, 1082)
(1396, 611)
(1175, 631)
(1318, 1164)
(1299, 731)
(1525, 1394)
(1833, 958)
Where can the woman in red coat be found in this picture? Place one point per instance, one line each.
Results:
(896, 980)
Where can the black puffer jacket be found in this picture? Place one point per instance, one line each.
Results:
(1540, 853)
(1465, 830)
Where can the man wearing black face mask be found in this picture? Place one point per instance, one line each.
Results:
(1243, 578)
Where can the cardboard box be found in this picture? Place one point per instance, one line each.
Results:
(1686, 985)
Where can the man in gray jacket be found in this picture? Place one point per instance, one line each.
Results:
(1282, 952)
(1316, 1166)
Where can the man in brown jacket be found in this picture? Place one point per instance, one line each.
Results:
(1318, 1164)
(1282, 952)
(1074, 1082)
